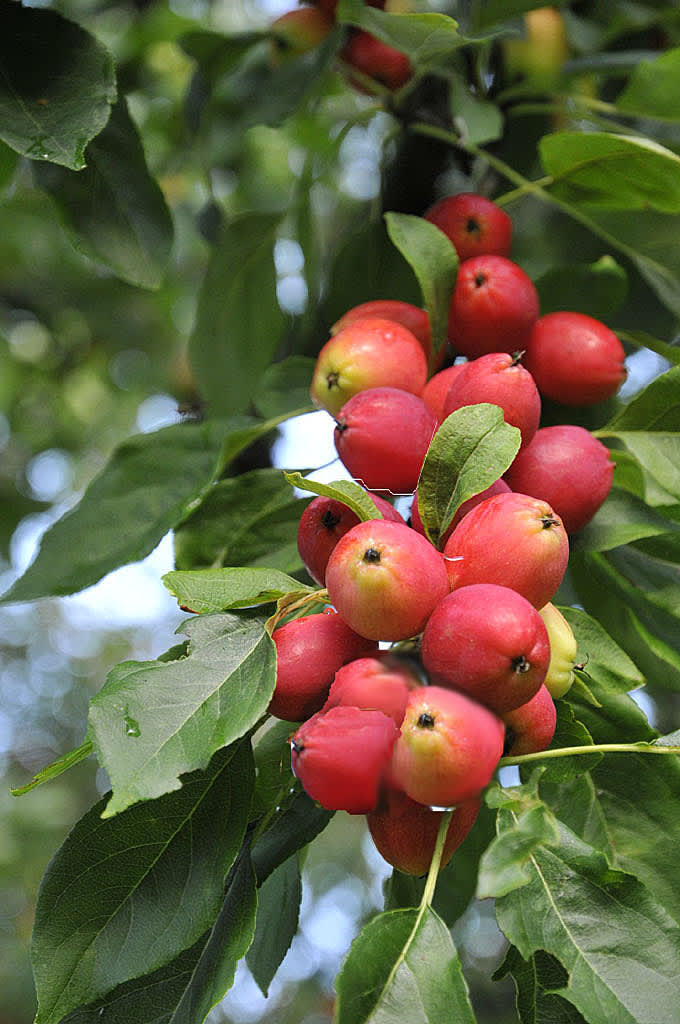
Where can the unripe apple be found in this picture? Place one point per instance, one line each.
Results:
(514, 540)
(448, 748)
(309, 651)
(385, 579)
(405, 832)
(368, 353)
(489, 642)
(500, 379)
(341, 757)
(567, 467)
(321, 526)
(531, 727)
(563, 651)
(298, 31)
(437, 388)
(475, 224)
(382, 436)
(380, 683)
(372, 57)
(494, 307)
(497, 487)
(415, 319)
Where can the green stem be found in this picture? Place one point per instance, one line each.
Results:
(596, 748)
(432, 874)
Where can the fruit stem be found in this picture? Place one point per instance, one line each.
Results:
(595, 748)
(316, 596)
(432, 874)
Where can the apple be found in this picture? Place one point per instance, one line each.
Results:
(475, 224)
(500, 379)
(493, 308)
(385, 579)
(563, 651)
(567, 467)
(405, 313)
(375, 59)
(381, 683)
(489, 642)
(368, 353)
(530, 727)
(298, 31)
(437, 388)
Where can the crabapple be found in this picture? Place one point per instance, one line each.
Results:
(493, 308)
(575, 359)
(342, 755)
(376, 59)
(385, 579)
(489, 642)
(563, 651)
(382, 436)
(437, 388)
(500, 379)
(381, 683)
(530, 727)
(514, 540)
(497, 487)
(405, 313)
(475, 224)
(567, 467)
(368, 353)
(321, 526)
(405, 831)
(448, 747)
(309, 651)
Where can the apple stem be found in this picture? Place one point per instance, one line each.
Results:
(596, 748)
(432, 874)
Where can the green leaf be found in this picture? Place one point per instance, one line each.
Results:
(597, 289)
(114, 209)
(435, 264)
(124, 896)
(427, 39)
(297, 823)
(346, 491)
(478, 120)
(284, 387)
(493, 11)
(57, 85)
(569, 732)
(649, 86)
(535, 979)
(620, 948)
(150, 484)
(659, 454)
(152, 721)
(238, 322)
(622, 519)
(278, 909)
(505, 863)
(656, 407)
(274, 777)
(56, 768)
(249, 519)
(605, 662)
(641, 339)
(472, 448)
(217, 590)
(403, 967)
(457, 882)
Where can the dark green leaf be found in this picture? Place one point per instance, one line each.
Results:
(57, 85)
(124, 896)
(403, 967)
(649, 86)
(534, 978)
(426, 38)
(278, 908)
(597, 289)
(153, 721)
(284, 387)
(472, 448)
(435, 264)
(114, 209)
(274, 778)
(624, 518)
(217, 590)
(346, 491)
(239, 322)
(298, 822)
(457, 882)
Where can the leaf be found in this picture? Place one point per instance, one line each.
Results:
(472, 448)
(435, 263)
(605, 661)
(297, 823)
(493, 11)
(122, 897)
(659, 454)
(249, 519)
(650, 84)
(478, 120)
(403, 967)
(504, 865)
(622, 519)
(57, 85)
(278, 908)
(274, 777)
(57, 768)
(641, 339)
(284, 387)
(427, 39)
(597, 289)
(114, 209)
(534, 980)
(238, 322)
(152, 721)
(457, 882)
(217, 590)
(148, 486)
(346, 491)
(656, 407)
(569, 732)
(619, 946)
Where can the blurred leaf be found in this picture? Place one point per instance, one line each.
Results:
(57, 85)
(596, 289)
(403, 967)
(346, 491)
(152, 721)
(482, 120)
(8, 164)
(278, 909)
(493, 11)
(472, 448)
(239, 321)
(216, 590)
(504, 865)
(57, 768)
(435, 264)
(426, 38)
(623, 518)
(114, 209)
(284, 387)
(650, 84)
(160, 865)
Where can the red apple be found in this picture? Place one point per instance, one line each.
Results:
(498, 378)
(381, 683)
(405, 313)
(376, 59)
(385, 579)
(567, 467)
(438, 387)
(531, 727)
(494, 307)
(474, 224)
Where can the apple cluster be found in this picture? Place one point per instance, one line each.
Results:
(431, 663)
